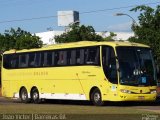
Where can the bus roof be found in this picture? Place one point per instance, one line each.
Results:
(78, 44)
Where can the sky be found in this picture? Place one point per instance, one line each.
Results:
(102, 17)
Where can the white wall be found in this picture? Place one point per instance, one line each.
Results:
(48, 37)
(120, 35)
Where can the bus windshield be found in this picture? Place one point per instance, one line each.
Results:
(136, 66)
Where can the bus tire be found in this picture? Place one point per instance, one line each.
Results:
(24, 95)
(96, 97)
(35, 96)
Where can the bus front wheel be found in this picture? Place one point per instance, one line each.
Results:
(24, 95)
(96, 97)
(35, 96)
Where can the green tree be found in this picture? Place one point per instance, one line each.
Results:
(148, 30)
(78, 33)
(18, 39)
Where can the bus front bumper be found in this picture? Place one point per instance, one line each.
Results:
(137, 97)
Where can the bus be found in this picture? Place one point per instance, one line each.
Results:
(91, 71)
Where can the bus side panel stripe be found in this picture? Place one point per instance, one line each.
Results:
(63, 96)
(57, 96)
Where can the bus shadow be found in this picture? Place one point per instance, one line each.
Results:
(88, 103)
(68, 102)
(107, 103)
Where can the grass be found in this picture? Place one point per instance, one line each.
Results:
(75, 111)
(67, 109)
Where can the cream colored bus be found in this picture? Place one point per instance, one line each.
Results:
(95, 71)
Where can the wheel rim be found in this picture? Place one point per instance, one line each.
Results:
(35, 96)
(24, 96)
(97, 97)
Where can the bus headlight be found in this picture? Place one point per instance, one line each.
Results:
(153, 91)
(125, 91)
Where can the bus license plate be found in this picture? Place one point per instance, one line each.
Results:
(141, 98)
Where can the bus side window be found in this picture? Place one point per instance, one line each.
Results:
(23, 60)
(109, 64)
(69, 60)
(38, 59)
(56, 58)
(48, 58)
(31, 62)
(92, 55)
(53, 58)
(42, 59)
(14, 61)
(7, 61)
(62, 60)
(73, 57)
(80, 56)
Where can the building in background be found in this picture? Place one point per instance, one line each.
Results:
(48, 37)
(67, 18)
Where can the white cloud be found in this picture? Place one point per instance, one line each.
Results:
(124, 27)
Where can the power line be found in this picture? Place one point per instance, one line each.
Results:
(86, 12)
(27, 19)
(102, 10)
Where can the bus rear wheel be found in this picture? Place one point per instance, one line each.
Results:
(35, 96)
(96, 97)
(24, 95)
